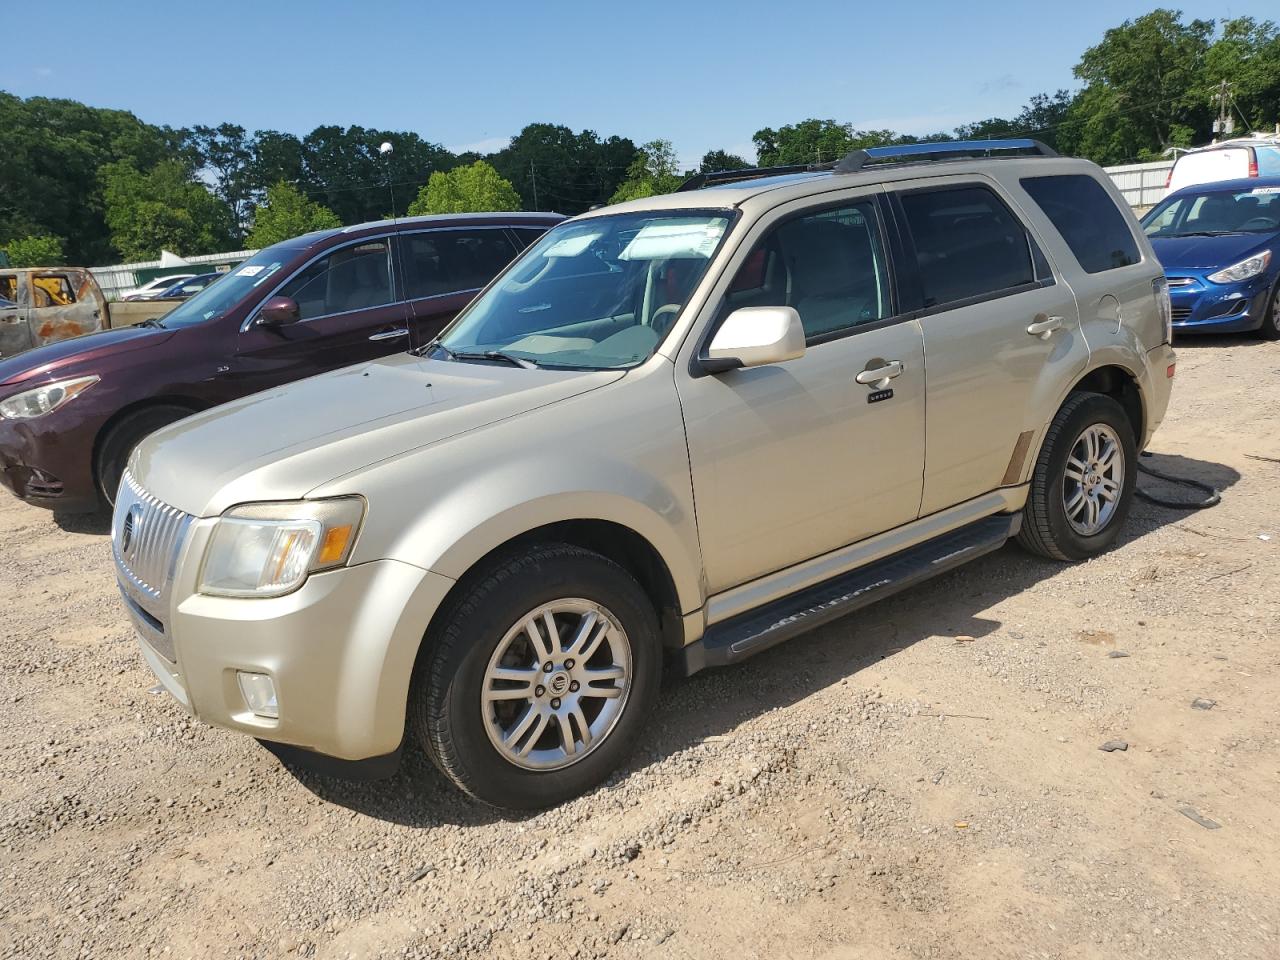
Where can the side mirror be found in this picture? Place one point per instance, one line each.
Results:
(754, 336)
(278, 312)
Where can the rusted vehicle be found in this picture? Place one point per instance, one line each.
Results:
(40, 305)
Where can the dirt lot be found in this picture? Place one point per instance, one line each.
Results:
(922, 779)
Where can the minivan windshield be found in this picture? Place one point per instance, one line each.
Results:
(591, 294)
(217, 298)
(1211, 212)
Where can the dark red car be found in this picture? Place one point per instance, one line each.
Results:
(71, 412)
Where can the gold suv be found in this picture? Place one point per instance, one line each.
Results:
(675, 432)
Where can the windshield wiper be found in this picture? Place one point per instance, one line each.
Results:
(523, 362)
(1206, 233)
(152, 322)
(435, 344)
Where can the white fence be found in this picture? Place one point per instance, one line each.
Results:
(1142, 184)
(116, 279)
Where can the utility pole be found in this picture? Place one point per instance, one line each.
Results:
(533, 175)
(1224, 125)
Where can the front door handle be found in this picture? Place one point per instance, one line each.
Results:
(879, 376)
(394, 334)
(1044, 326)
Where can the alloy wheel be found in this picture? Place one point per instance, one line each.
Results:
(556, 684)
(1093, 479)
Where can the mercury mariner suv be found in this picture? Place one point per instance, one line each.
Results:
(674, 433)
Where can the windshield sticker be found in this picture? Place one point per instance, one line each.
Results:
(572, 246)
(1265, 190)
(249, 271)
(687, 239)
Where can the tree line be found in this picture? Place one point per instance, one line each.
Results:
(90, 185)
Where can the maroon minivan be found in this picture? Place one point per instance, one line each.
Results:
(71, 412)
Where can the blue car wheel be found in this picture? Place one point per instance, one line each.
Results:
(1270, 329)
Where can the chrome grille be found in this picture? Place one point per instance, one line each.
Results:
(146, 534)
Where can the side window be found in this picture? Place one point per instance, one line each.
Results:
(1087, 218)
(51, 290)
(450, 261)
(350, 278)
(829, 265)
(8, 290)
(528, 236)
(967, 242)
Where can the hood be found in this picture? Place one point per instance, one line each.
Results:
(282, 443)
(1208, 253)
(49, 361)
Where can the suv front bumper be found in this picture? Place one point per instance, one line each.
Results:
(340, 653)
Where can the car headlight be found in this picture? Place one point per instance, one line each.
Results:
(1244, 269)
(44, 399)
(269, 549)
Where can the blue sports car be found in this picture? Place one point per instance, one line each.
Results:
(1220, 247)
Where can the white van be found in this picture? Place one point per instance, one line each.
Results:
(1229, 160)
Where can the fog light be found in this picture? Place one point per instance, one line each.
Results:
(259, 694)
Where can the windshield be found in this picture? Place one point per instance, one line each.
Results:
(1215, 212)
(598, 293)
(217, 298)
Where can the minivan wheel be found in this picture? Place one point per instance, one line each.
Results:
(537, 680)
(118, 444)
(1082, 486)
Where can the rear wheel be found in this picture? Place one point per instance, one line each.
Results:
(1083, 482)
(538, 680)
(119, 441)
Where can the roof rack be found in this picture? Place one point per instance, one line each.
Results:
(700, 180)
(855, 160)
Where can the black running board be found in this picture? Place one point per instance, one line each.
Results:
(749, 633)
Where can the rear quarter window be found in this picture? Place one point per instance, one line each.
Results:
(1086, 216)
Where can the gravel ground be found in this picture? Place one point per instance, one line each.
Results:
(922, 779)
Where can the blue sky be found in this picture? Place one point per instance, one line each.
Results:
(471, 74)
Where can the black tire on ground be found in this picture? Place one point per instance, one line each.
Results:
(119, 441)
(1270, 329)
(445, 698)
(1045, 526)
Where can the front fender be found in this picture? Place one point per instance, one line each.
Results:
(617, 454)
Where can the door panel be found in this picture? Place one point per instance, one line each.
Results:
(15, 335)
(791, 461)
(1000, 327)
(348, 316)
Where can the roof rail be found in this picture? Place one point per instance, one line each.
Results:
(940, 150)
(700, 180)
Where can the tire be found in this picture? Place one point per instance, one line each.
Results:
(118, 443)
(1048, 527)
(1270, 329)
(482, 631)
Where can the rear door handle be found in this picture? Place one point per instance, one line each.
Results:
(1044, 328)
(395, 334)
(880, 376)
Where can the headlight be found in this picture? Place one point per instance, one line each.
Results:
(44, 399)
(269, 549)
(1244, 269)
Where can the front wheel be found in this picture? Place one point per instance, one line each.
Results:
(536, 684)
(1083, 482)
(1270, 329)
(118, 443)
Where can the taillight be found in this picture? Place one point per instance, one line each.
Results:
(1168, 178)
(1253, 164)
(1160, 288)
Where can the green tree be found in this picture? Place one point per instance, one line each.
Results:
(162, 209)
(43, 251)
(226, 152)
(1143, 87)
(714, 161)
(1247, 56)
(652, 172)
(287, 213)
(356, 181)
(817, 141)
(475, 188)
(553, 168)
